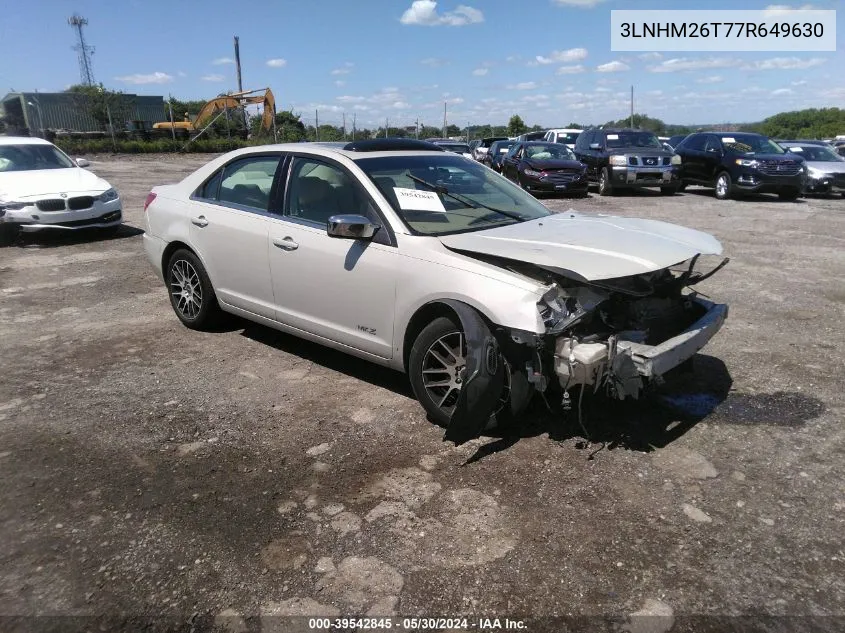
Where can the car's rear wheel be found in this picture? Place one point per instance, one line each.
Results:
(9, 233)
(436, 368)
(605, 186)
(789, 194)
(681, 187)
(191, 293)
(723, 186)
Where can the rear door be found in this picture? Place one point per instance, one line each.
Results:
(711, 161)
(229, 228)
(343, 290)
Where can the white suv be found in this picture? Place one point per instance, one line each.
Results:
(429, 263)
(567, 136)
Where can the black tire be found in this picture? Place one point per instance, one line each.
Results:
(436, 330)
(669, 191)
(185, 265)
(9, 233)
(681, 187)
(605, 184)
(789, 195)
(724, 193)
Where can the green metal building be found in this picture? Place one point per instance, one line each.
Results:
(66, 111)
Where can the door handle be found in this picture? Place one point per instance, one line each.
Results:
(199, 221)
(286, 244)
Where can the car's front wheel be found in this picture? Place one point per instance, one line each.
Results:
(436, 369)
(605, 186)
(723, 186)
(191, 293)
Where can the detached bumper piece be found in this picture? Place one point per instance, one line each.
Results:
(112, 218)
(623, 366)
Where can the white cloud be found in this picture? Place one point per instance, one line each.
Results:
(480, 72)
(584, 4)
(339, 83)
(570, 70)
(784, 9)
(434, 62)
(650, 57)
(680, 64)
(343, 70)
(213, 77)
(712, 79)
(800, 82)
(785, 63)
(525, 85)
(782, 91)
(612, 67)
(277, 62)
(182, 73)
(151, 78)
(424, 13)
(655, 93)
(563, 57)
(223, 60)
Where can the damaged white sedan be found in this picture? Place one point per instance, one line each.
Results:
(424, 261)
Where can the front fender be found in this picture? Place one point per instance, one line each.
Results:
(483, 376)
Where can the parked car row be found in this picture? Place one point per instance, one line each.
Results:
(614, 160)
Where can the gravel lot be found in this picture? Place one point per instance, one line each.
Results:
(171, 477)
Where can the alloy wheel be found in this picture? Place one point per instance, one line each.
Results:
(722, 186)
(186, 288)
(444, 369)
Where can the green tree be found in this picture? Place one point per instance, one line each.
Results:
(289, 127)
(100, 103)
(516, 126)
(810, 123)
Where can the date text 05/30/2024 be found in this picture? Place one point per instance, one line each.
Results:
(417, 624)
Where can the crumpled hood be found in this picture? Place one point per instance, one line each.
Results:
(589, 247)
(827, 166)
(21, 185)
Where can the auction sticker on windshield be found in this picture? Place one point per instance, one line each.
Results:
(416, 200)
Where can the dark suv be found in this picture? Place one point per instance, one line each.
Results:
(625, 159)
(736, 162)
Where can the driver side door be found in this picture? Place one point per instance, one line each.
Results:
(339, 289)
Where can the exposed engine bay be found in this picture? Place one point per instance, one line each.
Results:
(613, 336)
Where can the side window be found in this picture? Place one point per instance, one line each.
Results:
(209, 190)
(695, 143)
(318, 190)
(713, 144)
(247, 182)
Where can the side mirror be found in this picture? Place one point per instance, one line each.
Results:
(82, 162)
(354, 227)
(595, 145)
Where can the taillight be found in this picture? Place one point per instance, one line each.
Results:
(150, 197)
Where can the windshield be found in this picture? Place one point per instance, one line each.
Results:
(633, 139)
(568, 137)
(551, 151)
(815, 153)
(464, 188)
(32, 157)
(751, 144)
(502, 148)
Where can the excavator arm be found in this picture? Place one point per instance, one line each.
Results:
(231, 101)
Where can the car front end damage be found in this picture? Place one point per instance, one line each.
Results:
(614, 337)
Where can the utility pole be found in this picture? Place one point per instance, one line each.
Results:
(170, 106)
(316, 125)
(354, 115)
(86, 70)
(632, 106)
(344, 126)
(386, 124)
(417, 135)
(467, 132)
(240, 84)
(444, 119)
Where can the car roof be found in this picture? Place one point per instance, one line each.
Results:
(23, 140)
(356, 150)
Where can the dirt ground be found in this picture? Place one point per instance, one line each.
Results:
(171, 479)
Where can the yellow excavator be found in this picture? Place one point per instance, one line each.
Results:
(222, 103)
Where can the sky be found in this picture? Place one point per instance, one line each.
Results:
(399, 60)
